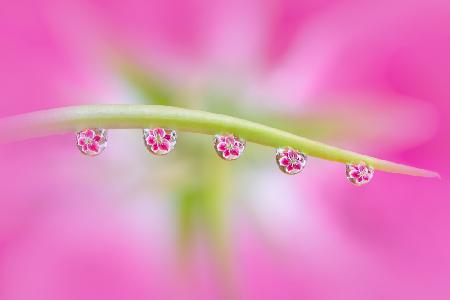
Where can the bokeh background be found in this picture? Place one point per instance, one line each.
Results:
(371, 76)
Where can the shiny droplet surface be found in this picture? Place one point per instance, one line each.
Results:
(160, 141)
(92, 141)
(359, 174)
(228, 146)
(290, 161)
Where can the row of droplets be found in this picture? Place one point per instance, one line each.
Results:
(159, 141)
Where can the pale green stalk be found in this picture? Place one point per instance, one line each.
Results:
(66, 119)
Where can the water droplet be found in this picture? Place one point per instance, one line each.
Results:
(359, 174)
(290, 161)
(92, 141)
(228, 146)
(160, 141)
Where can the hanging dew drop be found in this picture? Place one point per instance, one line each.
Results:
(359, 174)
(228, 146)
(159, 141)
(92, 141)
(290, 161)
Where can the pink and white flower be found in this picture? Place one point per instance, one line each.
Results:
(359, 174)
(290, 161)
(91, 141)
(160, 141)
(229, 147)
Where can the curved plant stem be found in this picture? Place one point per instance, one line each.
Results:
(61, 120)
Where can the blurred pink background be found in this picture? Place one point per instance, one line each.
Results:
(371, 76)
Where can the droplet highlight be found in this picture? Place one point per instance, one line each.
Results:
(228, 146)
(290, 161)
(92, 141)
(160, 141)
(359, 174)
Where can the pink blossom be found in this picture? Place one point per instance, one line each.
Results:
(229, 147)
(359, 174)
(290, 161)
(91, 141)
(160, 141)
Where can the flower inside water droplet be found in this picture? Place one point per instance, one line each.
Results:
(92, 141)
(228, 146)
(160, 141)
(290, 161)
(359, 174)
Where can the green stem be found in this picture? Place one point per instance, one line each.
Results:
(61, 120)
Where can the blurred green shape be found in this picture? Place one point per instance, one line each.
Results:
(185, 205)
(201, 210)
(150, 86)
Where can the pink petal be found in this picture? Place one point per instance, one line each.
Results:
(292, 154)
(284, 161)
(151, 140)
(230, 140)
(289, 168)
(297, 166)
(164, 145)
(354, 174)
(93, 147)
(89, 133)
(235, 152)
(226, 153)
(222, 147)
(85, 148)
(155, 147)
(97, 138)
(81, 142)
(160, 132)
(168, 137)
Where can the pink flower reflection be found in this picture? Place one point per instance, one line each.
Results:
(229, 147)
(359, 174)
(91, 141)
(290, 161)
(160, 141)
